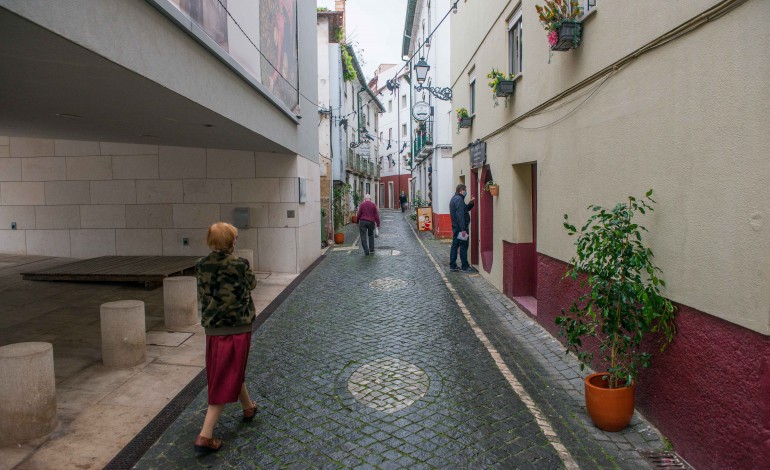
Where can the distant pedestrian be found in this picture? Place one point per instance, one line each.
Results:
(402, 201)
(459, 213)
(225, 283)
(368, 217)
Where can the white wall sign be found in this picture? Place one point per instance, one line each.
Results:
(421, 110)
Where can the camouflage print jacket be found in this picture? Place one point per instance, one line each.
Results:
(224, 292)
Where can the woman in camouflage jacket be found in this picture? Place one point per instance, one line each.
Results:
(227, 310)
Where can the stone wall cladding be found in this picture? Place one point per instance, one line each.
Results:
(83, 199)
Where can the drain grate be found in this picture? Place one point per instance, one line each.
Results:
(664, 459)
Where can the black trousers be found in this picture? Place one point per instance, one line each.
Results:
(366, 230)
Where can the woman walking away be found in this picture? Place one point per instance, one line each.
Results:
(402, 200)
(368, 216)
(227, 312)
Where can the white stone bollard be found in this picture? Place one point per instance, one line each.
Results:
(123, 333)
(248, 254)
(27, 392)
(180, 301)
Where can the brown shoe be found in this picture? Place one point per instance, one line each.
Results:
(248, 413)
(207, 445)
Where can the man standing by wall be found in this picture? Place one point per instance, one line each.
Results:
(459, 212)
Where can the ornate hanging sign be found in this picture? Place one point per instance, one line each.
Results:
(421, 111)
(478, 151)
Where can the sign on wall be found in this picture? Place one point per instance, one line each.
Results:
(478, 151)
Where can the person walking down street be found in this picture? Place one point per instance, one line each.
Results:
(459, 213)
(368, 216)
(402, 201)
(227, 310)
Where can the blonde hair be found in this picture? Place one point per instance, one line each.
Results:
(221, 237)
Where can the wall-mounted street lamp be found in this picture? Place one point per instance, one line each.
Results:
(421, 69)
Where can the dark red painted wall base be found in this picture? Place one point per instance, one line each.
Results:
(518, 272)
(442, 226)
(709, 392)
(385, 203)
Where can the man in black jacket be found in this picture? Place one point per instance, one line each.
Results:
(459, 212)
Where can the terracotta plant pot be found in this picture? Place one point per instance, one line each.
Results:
(611, 409)
(339, 238)
(494, 190)
(354, 219)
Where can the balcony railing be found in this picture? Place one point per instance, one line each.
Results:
(361, 165)
(422, 141)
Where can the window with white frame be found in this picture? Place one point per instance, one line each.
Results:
(515, 50)
(472, 96)
(403, 101)
(390, 106)
(587, 5)
(403, 130)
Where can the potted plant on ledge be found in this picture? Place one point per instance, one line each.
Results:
(501, 86)
(492, 187)
(464, 120)
(559, 18)
(621, 307)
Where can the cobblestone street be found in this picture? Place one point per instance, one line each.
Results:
(386, 361)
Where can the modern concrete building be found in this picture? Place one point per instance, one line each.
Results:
(130, 126)
(431, 136)
(394, 137)
(665, 95)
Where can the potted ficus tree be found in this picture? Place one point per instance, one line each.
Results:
(559, 18)
(339, 198)
(621, 308)
(502, 86)
(492, 187)
(464, 120)
(357, 196)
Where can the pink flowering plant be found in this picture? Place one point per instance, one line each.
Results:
(555, 12)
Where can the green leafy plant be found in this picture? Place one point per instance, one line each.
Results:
(348, 71)
(555, 12)
(357, 196)
(462, 113)
(495, 77)
(339, 202)
(489, 183)
(623, 301)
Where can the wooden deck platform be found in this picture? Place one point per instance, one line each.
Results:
(147, 269)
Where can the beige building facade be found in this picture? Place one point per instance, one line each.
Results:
(664, 95)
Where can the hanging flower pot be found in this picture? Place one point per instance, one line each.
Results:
(611, 409)
(568, 36)
(505, 88)
(465, 122)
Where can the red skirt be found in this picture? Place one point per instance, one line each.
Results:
(226, 358)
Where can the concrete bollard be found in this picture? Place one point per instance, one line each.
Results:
(180, 301)
(27, 392)
(123, 333)
(246, 253)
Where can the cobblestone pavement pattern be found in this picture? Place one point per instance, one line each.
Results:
(370, 363)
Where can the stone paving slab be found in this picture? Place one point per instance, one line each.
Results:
(370, 363)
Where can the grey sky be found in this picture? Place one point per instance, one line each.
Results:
(378, 28)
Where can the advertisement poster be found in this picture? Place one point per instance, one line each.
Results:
(278, 40)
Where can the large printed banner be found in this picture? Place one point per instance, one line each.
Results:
(244, 28)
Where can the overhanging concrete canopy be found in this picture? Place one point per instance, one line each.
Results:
(53, 88)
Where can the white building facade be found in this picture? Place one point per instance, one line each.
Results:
(431, 135)
(392, 87)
